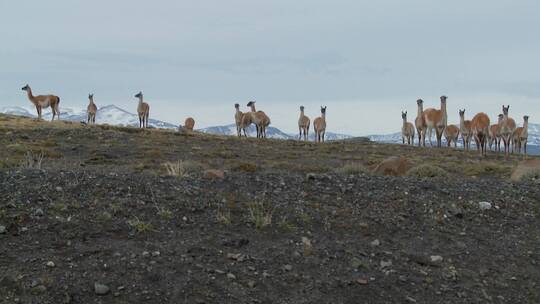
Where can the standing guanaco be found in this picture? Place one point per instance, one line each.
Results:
(480, 131)
(303, 124)
(494, 135)
(506, 129)
(43, 102)
(521, 135)
(407, 130)
(420, 123)
(91, 110)
(436, 119)
(143, 109)
(319, 125)
(465, 128)
(260, 119)
(451, 133)
(189, 124)
(238, 119)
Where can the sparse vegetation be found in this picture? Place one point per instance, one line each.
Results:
(427, 171)
(223, 216)
(32, 160)
(181, 168)
(531, 175)
(140, 226)
(352, 169)
(260, 215)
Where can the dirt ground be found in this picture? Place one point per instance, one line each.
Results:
(120, 215)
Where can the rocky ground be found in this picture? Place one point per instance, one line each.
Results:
(111, 216)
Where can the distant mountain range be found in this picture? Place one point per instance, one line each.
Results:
(114, 115)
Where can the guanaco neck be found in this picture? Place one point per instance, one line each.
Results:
(525, 126)
(443, 110)
(253, 107)
(29, 93)
(238, 111)
(302, 113)
(323, 115)
(404, 121)
(462, 122)
(141, 100)
(420, 110)
(91, 100)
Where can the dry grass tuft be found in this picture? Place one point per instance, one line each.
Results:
(260, 215)
(32, 160)
(182, 168)
(352, 169)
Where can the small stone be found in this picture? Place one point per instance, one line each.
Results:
(362, 281)
(38, 212)
(50, 264)
(2, 229)
(146, 254)
(156, 253)
(385, 264)
(287, 267)
(436, 258)
(375, 243)
(363, 225)
(410, 300)
(59, 189)
(101, 289)
(214, 174)
(231, 276)
(251, 284)
(484, 205)
(184, 219)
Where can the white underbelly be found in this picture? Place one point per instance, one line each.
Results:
(44, 103)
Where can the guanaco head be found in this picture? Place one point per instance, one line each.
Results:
(404, 115)
(26, 88)
(91, 96)
(526, 118)
(462, 113)
(443, 99)
(505, 110)
(323, 110)
(500, 117)
(251, 103)
(419, 102)
(138, 95)
(236, 106)
(301, 108)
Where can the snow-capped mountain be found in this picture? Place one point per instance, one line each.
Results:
(271, 132)
(110, 114)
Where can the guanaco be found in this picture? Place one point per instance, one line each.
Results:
(260, 119)
(189, 123)
(319, 125)
(238, 119)
(494, 135)
(43, 102)
(245, 122)
(480, 131)
(436, 119)
(303, 125)
(465, 128)
(91, 110)
(407, 130)
(420, 123)
(143, 109)
(506, 129)
(521, 135)
(451, 133)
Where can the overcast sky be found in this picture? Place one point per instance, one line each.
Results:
(365, 60)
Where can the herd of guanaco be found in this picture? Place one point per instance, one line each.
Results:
(479, 128)
(426, 121)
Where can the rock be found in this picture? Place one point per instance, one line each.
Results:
(287, 267)
(524, 168)
(311, 176)
(436, 258)
(145, 254)
(59, 189)
(156, 253)
(101, 289)
(356, 263)
(50, 264)
(2, 229)
(38, 212)
(231, 276)
(393, 166)
(362, 281)
(214, 174)
(410, 300)
(484, 205)
(251, 284)
(386, 264)
(375, 243)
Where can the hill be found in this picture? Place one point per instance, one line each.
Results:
(119, 214)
